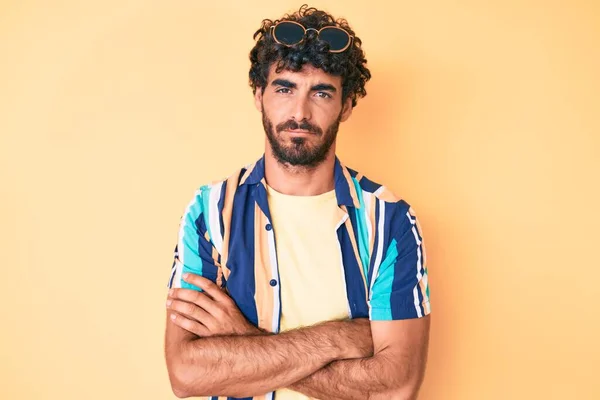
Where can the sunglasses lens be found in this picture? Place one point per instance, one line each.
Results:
(337, 38)
(288, 33)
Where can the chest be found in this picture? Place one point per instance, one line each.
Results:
(274, 261)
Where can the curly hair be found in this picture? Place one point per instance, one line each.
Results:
(349, 64)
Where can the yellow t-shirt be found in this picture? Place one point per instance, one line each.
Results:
(313, 288)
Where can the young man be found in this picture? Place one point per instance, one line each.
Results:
(298, 277)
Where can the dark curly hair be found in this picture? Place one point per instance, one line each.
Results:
(349, 64)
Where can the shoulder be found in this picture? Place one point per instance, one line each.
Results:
(208, 195)
(385, 207)
(374, 191)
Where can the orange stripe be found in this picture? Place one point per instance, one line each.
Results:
(263, 294)
(215, 257)
(348, 224)
(374, 226)
(230, 189)
(247, 173)
(423, 293)
(425, 298)
(387, 195)
(215, 253)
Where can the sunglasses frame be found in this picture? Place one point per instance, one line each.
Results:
(350, 37)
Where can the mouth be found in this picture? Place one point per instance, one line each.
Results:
(297, 131)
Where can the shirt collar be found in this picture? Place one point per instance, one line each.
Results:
(345, 189)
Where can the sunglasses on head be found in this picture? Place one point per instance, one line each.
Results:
(290, 33)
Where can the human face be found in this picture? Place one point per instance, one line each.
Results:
(301, 113)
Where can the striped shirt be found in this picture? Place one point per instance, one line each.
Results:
(226, 235)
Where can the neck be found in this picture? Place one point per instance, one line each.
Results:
(299, 180)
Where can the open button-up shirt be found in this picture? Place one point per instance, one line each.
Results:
(226, 235)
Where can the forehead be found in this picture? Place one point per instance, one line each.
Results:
(308, 75)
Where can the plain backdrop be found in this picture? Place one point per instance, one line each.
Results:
(484, 116)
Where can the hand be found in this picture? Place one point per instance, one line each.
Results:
(208, 313)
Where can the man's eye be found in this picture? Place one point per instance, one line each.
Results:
(323, 95)
(283, 90)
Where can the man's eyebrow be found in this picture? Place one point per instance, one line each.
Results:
(324, 86)
(284, 83)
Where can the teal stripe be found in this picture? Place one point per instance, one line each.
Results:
(192, 263)
(427, 288)
(381, 314)
(382, 287)
(205, 207)
(363, 233)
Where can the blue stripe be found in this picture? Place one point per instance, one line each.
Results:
(405, 278)
(241, 282)
(368, 185)
(355, 287)
(342, 189)
(173, 271)
(221, 205)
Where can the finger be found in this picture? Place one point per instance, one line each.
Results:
(207, 285)
(189, 325)
(191, 311)
(186, 294)
(200, 299)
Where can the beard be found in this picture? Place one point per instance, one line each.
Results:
(300, 152)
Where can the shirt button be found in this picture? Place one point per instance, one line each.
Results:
(273, 282)
(268, 227)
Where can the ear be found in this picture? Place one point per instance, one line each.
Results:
(258, 98)
(346, 109)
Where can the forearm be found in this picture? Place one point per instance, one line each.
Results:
(242, 366)
(375, 377)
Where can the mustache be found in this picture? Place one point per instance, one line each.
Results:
(293, 125)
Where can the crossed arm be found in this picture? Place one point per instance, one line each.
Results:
(211, 349)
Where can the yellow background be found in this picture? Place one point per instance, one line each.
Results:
(483, 115)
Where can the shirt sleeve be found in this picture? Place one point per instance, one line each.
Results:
(401, 286)
(194, 252)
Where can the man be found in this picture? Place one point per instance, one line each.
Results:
(298, 277)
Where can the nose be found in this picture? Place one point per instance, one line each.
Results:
(301, 109)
